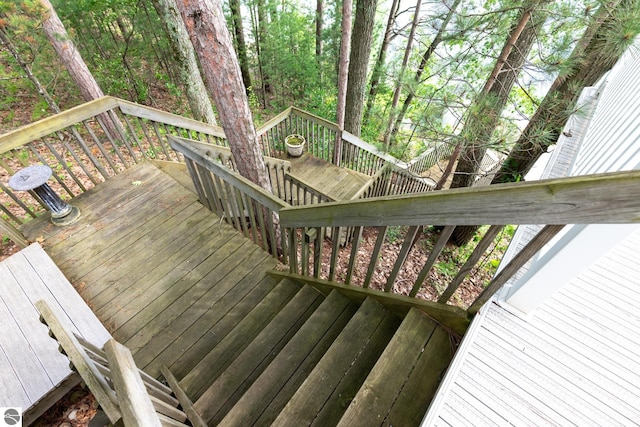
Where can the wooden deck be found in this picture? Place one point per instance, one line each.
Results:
(575, 362)
(336, 182)
(34, 373)
(158, 269)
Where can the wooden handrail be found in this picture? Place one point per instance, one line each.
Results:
(127, 395)
(145, 112)
(611, 198)
(135, 404)
(27, 133)
(199, 153)
(317, 119)
(81, 361)
(273, 122)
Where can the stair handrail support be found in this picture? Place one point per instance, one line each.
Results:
(604, 198)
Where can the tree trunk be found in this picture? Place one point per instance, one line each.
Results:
(379, 65)
(319, 10)
(611, 31)
(426, 56)
(262, 38)
(484, 114)
(211, 40)
(391, 129)
(343, 75)
(186, 59)
(236, 16)
(27, 70)
(75, 65)
(69, 55)
(362, 37)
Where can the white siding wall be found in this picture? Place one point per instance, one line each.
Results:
(611, 143)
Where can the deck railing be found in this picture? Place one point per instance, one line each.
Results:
(87, 145)
(321, 136)
(603, 199)
(607, 198)
(97, 140)
(430, 157)
(244, 205)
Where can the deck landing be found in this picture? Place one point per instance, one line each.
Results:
(336, 182)
(158, 269)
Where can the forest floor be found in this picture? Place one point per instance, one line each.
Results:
(79, 407)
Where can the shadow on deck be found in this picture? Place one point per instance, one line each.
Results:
(157, 268)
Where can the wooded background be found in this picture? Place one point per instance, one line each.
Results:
(496, 74)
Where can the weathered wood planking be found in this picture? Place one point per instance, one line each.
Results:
(337, 183)
(156, 266)
(34, 373)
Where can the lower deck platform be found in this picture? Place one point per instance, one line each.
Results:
(157, 268)
(33, 373)
(336, 182)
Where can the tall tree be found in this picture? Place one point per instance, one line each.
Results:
(69, 55)
(211, 40)
(343, 74)
(485, 112)
(612, 30)
(75, 65)
(376, 74)
(7, 44)
(236, 15)
(185, 58)
(389, 134)
(426, 56)
(319, 19)
(361, 37)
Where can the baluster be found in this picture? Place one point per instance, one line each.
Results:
(445, 234)
(382, 231)
(317, 251)
(473, 259)
(355, 244)
(402, 256)
(335, 247)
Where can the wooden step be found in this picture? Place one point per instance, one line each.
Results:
(271, 391)
(328, 390)
(227, 389)
(222, 355)
(400, 386)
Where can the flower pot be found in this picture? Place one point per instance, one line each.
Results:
(295, 144)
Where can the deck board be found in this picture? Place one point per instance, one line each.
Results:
(34, 372)
(158, 268)
(575, 361)
(337, 183)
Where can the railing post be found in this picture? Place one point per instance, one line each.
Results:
(337, 148)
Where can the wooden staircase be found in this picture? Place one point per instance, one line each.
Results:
(303, 358)
(299, 357)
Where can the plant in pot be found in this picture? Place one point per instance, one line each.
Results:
(295, 144)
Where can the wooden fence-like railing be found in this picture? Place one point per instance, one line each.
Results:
(607, 198)
(127, 395)
(430, 157)
(97, 140)
(87, 145)
(244, 205)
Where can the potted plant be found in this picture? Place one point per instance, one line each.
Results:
(295, 144)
